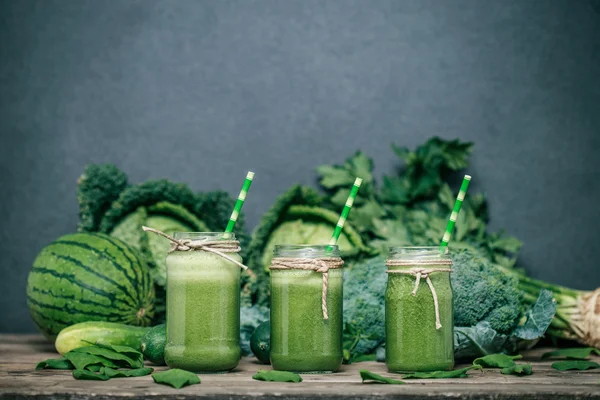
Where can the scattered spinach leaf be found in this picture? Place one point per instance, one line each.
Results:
(580, 365)
(576, 353)
(126, 350)
(276, 376)
(118, 358)
(375, 378)
(82, 374)
(457, 373)
(497, 361)
(176, 378)
(83, 360)
(125, 373)
(94, 367)
(54, 363)
(517, 369)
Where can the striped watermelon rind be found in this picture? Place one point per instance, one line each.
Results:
(89, 277)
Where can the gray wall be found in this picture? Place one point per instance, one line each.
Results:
(202, 91)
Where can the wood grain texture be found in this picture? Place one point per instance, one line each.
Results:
(20, 353)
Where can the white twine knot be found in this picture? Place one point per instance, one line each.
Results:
(322, 265)
(418, 273)
(218, 247)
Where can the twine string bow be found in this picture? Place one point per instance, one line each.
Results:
(418, 273)
(218, 247)
(322, 265)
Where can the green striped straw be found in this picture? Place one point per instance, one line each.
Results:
(457, 205)
(346, 210)
(240, 202)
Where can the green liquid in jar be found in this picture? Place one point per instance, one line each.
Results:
(203, 312)
(412, 342)
(301, 340)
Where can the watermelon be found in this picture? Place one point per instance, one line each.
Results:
(89, 277)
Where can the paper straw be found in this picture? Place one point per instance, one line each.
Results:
(457, 205)
(240, 202)
(345, 211)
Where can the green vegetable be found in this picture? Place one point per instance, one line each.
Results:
(276, 376)
(517, 369)
(575, 364)
(88, 277)
(250, 318)
(364, 319)
(54, 363)
(83, 360)
(375, 378)
(88, 375)
(365, 357)
(577, 353)
(483, 292)
(260, 342)
(97, 188)
(125, 373)
(107, 204)
(297, 217)
(153, 344)
(125, 359)
(457, 373)
(85, 333)
(176, 378)
(497, 361)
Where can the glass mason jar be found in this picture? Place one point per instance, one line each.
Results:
(302, 340)
(203, 307)
(413, 342)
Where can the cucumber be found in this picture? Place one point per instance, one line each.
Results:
(260, 342)
(84, 333)
(153, 344)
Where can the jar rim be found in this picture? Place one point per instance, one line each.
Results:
(417, 252)
(204, 235)
(306, 250)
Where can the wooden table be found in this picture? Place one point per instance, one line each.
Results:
(20, 353)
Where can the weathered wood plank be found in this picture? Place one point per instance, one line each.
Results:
(20, 353)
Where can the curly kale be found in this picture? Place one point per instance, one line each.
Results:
(483, 292)
(97, 188)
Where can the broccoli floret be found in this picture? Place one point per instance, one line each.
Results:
(364, 303)
(483, 292)
(97, 188)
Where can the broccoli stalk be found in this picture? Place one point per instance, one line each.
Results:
(577, 311)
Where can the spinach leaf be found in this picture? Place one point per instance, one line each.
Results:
(126, 350)
(457, 373)
(580, 365)
(375, 378)
(276, 376)
(176, 378)
(125, 373)
(82, 374)
(116, 357)
(54, 363)
(517, 369)
(576, 353)
(83, 360)
(94, 367)
(538, 317)
(497, 361)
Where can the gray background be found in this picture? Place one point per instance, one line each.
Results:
(202, 91)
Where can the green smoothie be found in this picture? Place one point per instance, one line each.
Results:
(301, 339)
(412, 341)
(203, 312)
